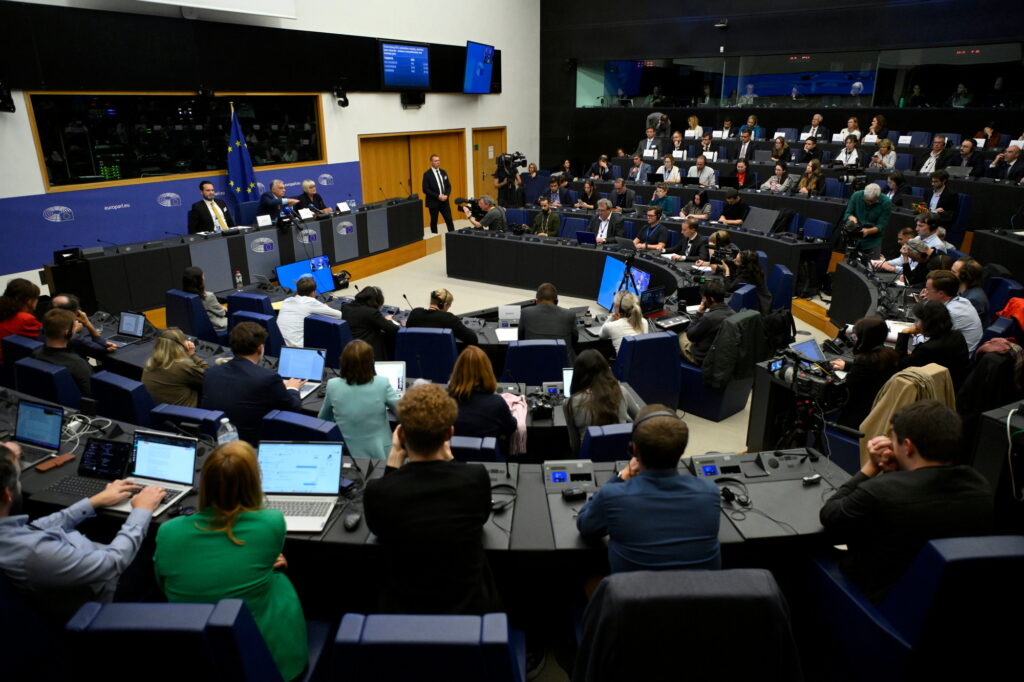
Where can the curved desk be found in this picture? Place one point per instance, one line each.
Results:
(853, 295)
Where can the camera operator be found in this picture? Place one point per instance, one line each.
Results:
(505, 174)
(867, 214)
(494, 216)
(722, 254)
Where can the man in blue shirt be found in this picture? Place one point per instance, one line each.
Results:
(657, 518)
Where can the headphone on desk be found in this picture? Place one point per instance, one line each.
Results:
(498, 506)
(734, 497)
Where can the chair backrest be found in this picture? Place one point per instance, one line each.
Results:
(332, 334)
(121, 398)
(762, 259)
(47, 381)
(919, 138)
(428, 353)
(385, 648)
(952, 139)
(606, 443)
(917, 192)
(893, 135)
(284, 425)
(782, 285)
(649, 363)
(272, 346)
(255, 303)
(904, 161)
(745, 298)
(15, 347)
(516, 216)
(24, 631)
(717, 206)
(674, 206)
(572, 225)
(833, 188)
(185, 311)
(534, 362)
(186, 418)
(792, 135)
(247, 212)
(1002, 290)
(819, 229)
(470, 449)
(958, 229)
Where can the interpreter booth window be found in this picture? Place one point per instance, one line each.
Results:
(90, 138)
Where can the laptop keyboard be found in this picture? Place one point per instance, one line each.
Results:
(123, 339)
(300, 508)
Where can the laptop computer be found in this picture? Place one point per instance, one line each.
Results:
(302, 481)
(762, 156)
(566, 380)
(729, 181)
(129, 329)
(687, 180)
(303, 363)
(102, 461)
(394, 372)
(161, 459)
(584, 237)
(958, 171)
(652, 302)
(37, 430)
(810, 350)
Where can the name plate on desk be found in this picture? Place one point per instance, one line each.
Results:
(690, 133)
(804, 136)
(870, 139)
(904, 141)
(679, 154)
(838, 137)
(343, 207)
(780, 133)
(263, 221)
(305, 213)
(716, 134)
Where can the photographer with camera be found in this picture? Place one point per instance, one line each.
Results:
(721, 254)
(867, 214)
(494, 215)
(505, 176)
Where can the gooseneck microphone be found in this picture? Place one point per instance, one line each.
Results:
(105, 241)
(411, 306)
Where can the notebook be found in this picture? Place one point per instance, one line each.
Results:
(102, 461)
(161, 459)
(303, 363)
(394, 372)
(810, 350)
(302, 481)
(37, 430)
(129, 329)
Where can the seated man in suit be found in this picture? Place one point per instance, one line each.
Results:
(693, 246)
(938, 158)
(970, 158)
(273, 201)
(747, 146)
(546, 320)
(244, 390)
(639, 171)
(209, 214)
(600, 169)
(817, 130)
(941, 201)
(695, 343)
(607, 224)
(557, 196)
(651, 147)
(547, 221)
(810, 151)
(621, 196)
(1007, 165)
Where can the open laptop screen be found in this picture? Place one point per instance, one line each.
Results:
(810, 350)
(39, 424)
(132, 324)
(302, 363)
(652, 300)
(104, 458)
(394, 372)
(300, 468)
(163, 456)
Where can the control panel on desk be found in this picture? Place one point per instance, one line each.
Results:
(771, 465)
(561, 475)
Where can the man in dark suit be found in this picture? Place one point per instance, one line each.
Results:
(651, 147)
(621, 196)
(556, 196)
(942, 202)
(938, 158)
(600, 169)
(607, 224)
(693, 246)
(639, 171)
(436, 188)
(244, 390)
(695, 343)
(810, 151)
(546, 320)
(209, 214)
(1007, 166)
(273, 201)
(817, 130)
(970, 158)
(746, 148)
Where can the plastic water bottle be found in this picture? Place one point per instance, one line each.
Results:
(238, 280)
(226, 432)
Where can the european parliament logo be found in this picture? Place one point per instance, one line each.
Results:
(169, 199)
(262, 245)
(345, 227)
(58, 214)
(325, 179)
(261, 187)
(308, 236)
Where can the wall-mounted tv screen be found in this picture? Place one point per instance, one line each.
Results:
(405, 66)
(479, 64)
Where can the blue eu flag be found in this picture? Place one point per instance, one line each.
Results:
(241, 179)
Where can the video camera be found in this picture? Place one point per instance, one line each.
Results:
(724, 253)
(474, 206)
(809, 380)
(509, 161)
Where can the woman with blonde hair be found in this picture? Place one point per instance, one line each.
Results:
(231, 549)
(310, 199)
(885, 157)
(482, 412)
(693, 126)
(626, 319)
(174, 373)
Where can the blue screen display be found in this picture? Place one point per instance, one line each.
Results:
(614, 269)
(710, 470)
(559, 477)
(479, 63)
(405, 66)
(319, 268)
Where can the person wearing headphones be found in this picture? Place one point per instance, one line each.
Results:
(438, 317)
(656, 519)
(59, 327)
(368, 323)
(174, 373)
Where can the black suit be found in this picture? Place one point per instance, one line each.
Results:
(749, 155)
(432, 192)
(823, 134)
(201, 220)
(549, 321)
(564, 198)
(974, 162)
(270, 205)
(615, 227)
(441, 319)
(704, 330)
(902, 194)
(943, 160)
(624, 200)
(1004, 172)
(596, 171)
(807, 156)
(698, 248)
(948, 202)
(370, 325)
(246, 392)
(659, 143)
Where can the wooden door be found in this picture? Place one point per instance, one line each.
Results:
(488, 144)
(451, 147)
(384, 167)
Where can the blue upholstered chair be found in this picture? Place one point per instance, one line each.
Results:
(329, 333)
(386, 648)
(745, 298)
(762, 259)
(16, 347)
(284, 425)
(516, 216)
(957, 231)
(272, 346)
(47, 381)
(717, 206)
(648, 362)
(606, 443)
(1000, 290)
(40, 653)
(186, 418)
(185, 311)
(834, 188)
(121, 398)
(428, 353)
(782, 285)
(843, 450)
(247, 212)
(571, 225)
(534, 362)
(254, 303)
(904, 161)
(819, 229)
(713, 404)
(920, 138)
(952, 139)
(470, 449)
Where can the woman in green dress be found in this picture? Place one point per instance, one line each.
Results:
(231, 549)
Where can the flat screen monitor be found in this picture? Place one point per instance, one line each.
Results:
(405, 66)
(318, 268)
(610, 280)
(479, 64)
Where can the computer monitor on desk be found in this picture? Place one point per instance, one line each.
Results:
(508, 315)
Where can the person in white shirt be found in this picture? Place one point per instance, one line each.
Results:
(849, 156)
(943, 286)
(291, 319)
(705, 174)
(927, 226)
(626, 319)
(669, 172)
(885, 157)
(852, 128)
(938, 158)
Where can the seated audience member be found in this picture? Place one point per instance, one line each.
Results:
(692, 247)
(57, 568)
(937, 158)
(566, 170)
(942, 202)
(639, 171)
(677, 146)
(59, 327)
(780, 182)
(174, 373)
(756, 131)
(589, 196)
(704, 173)
(291, 318)
(816, 130)
(748, 271)
(941, 343)
(721, 254)
(943, 286)
(705, 144)
(940, 232)
(547, 320)
(908, 492)
(698, 207)
(600, 169)
(368, 323)
(653, 235)
(668, 170)
(556, 196)
(358, 401)
(873, 364)
(17, 306)
(428, 505)
(621, 196)
(728, 129)
(696, 341)
(885, 157)
(989, 134)
(905, 234)
(747, 146)
(969, 273)
(531, 170)
(878, 128)
(231, 549)
(970, 158)
(209, 214)
(850, 155)
(438, 317)
(744, 178)
(780, 150)
(273, 200)
(660, 197)
(546, 221)
(311, 199)
(897, 189)
(650, 147)
(482, 412)
(1007, 165)
(735, 210)
(810, 152)
(852, 128)
(244, 390)
(812, 181)
(194, 282)
(694, 128)
(656, 518)
(921, 259)
(606, 224)
(494, 215)
(927, 225)
(595, 397)
(88, 341)
(626, 319)
(871, 211)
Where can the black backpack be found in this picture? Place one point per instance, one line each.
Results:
(779, 328)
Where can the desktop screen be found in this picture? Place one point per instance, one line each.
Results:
(302, 363)
(479, 63)
(319, 268)
(404, 66)
(611, 278)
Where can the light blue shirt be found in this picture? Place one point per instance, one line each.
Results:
(965, 320)
(933, 242)
(361, 412)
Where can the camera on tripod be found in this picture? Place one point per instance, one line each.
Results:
(509, 161)
(808, 380)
